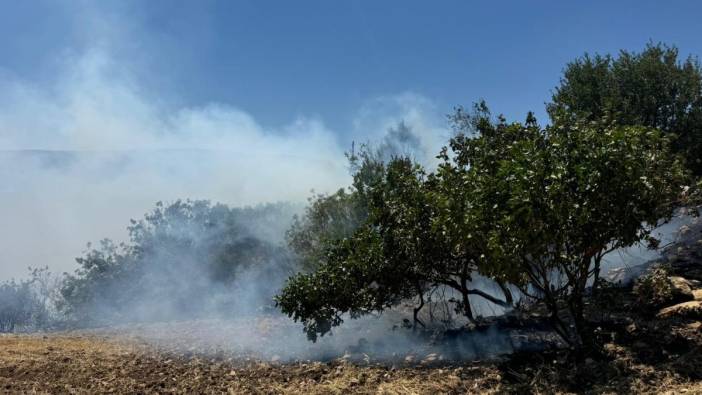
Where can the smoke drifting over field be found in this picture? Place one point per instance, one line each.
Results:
(81, 157)
(91, 149)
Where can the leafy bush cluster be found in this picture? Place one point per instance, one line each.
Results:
(527, 207)
(16, 305)
(30, 304)
(531, 208)
(186, 259)
(654, 289)
(652, 88)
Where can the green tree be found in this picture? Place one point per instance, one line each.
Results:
(360, 273)
(531, 207)
(332, 217)
(653, 88)
(554, 201)
(336, 216)
(399, 253)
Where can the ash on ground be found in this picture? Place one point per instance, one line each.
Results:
(370, 340)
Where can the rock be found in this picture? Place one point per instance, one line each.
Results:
(430, 358)
(682, 289)
(691, 309)
(695, 326)
(697, 294)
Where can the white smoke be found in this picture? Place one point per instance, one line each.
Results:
(86, 150)
(81, 156)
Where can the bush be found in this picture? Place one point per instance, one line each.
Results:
(29, 304)
(654, 289)
(537, 208)
(16, 305)
(184, 260)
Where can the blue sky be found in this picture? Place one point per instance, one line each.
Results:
(278, 60)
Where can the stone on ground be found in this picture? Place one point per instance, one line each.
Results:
(691, 309)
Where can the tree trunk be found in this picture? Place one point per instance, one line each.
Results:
(584, 335)
(596, 278)
(467, 311)
(417, 309)
(507, 292)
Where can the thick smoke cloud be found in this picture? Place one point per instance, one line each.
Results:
(90, 147)
(82, 155)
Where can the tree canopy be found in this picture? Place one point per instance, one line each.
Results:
(653, 88)
(535, 208)
(554, 201)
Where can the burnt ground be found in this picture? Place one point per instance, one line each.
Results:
(642, 352)
(653, 358)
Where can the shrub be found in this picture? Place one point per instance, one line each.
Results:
(187, 259)
(654, 290)
(522, 205)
